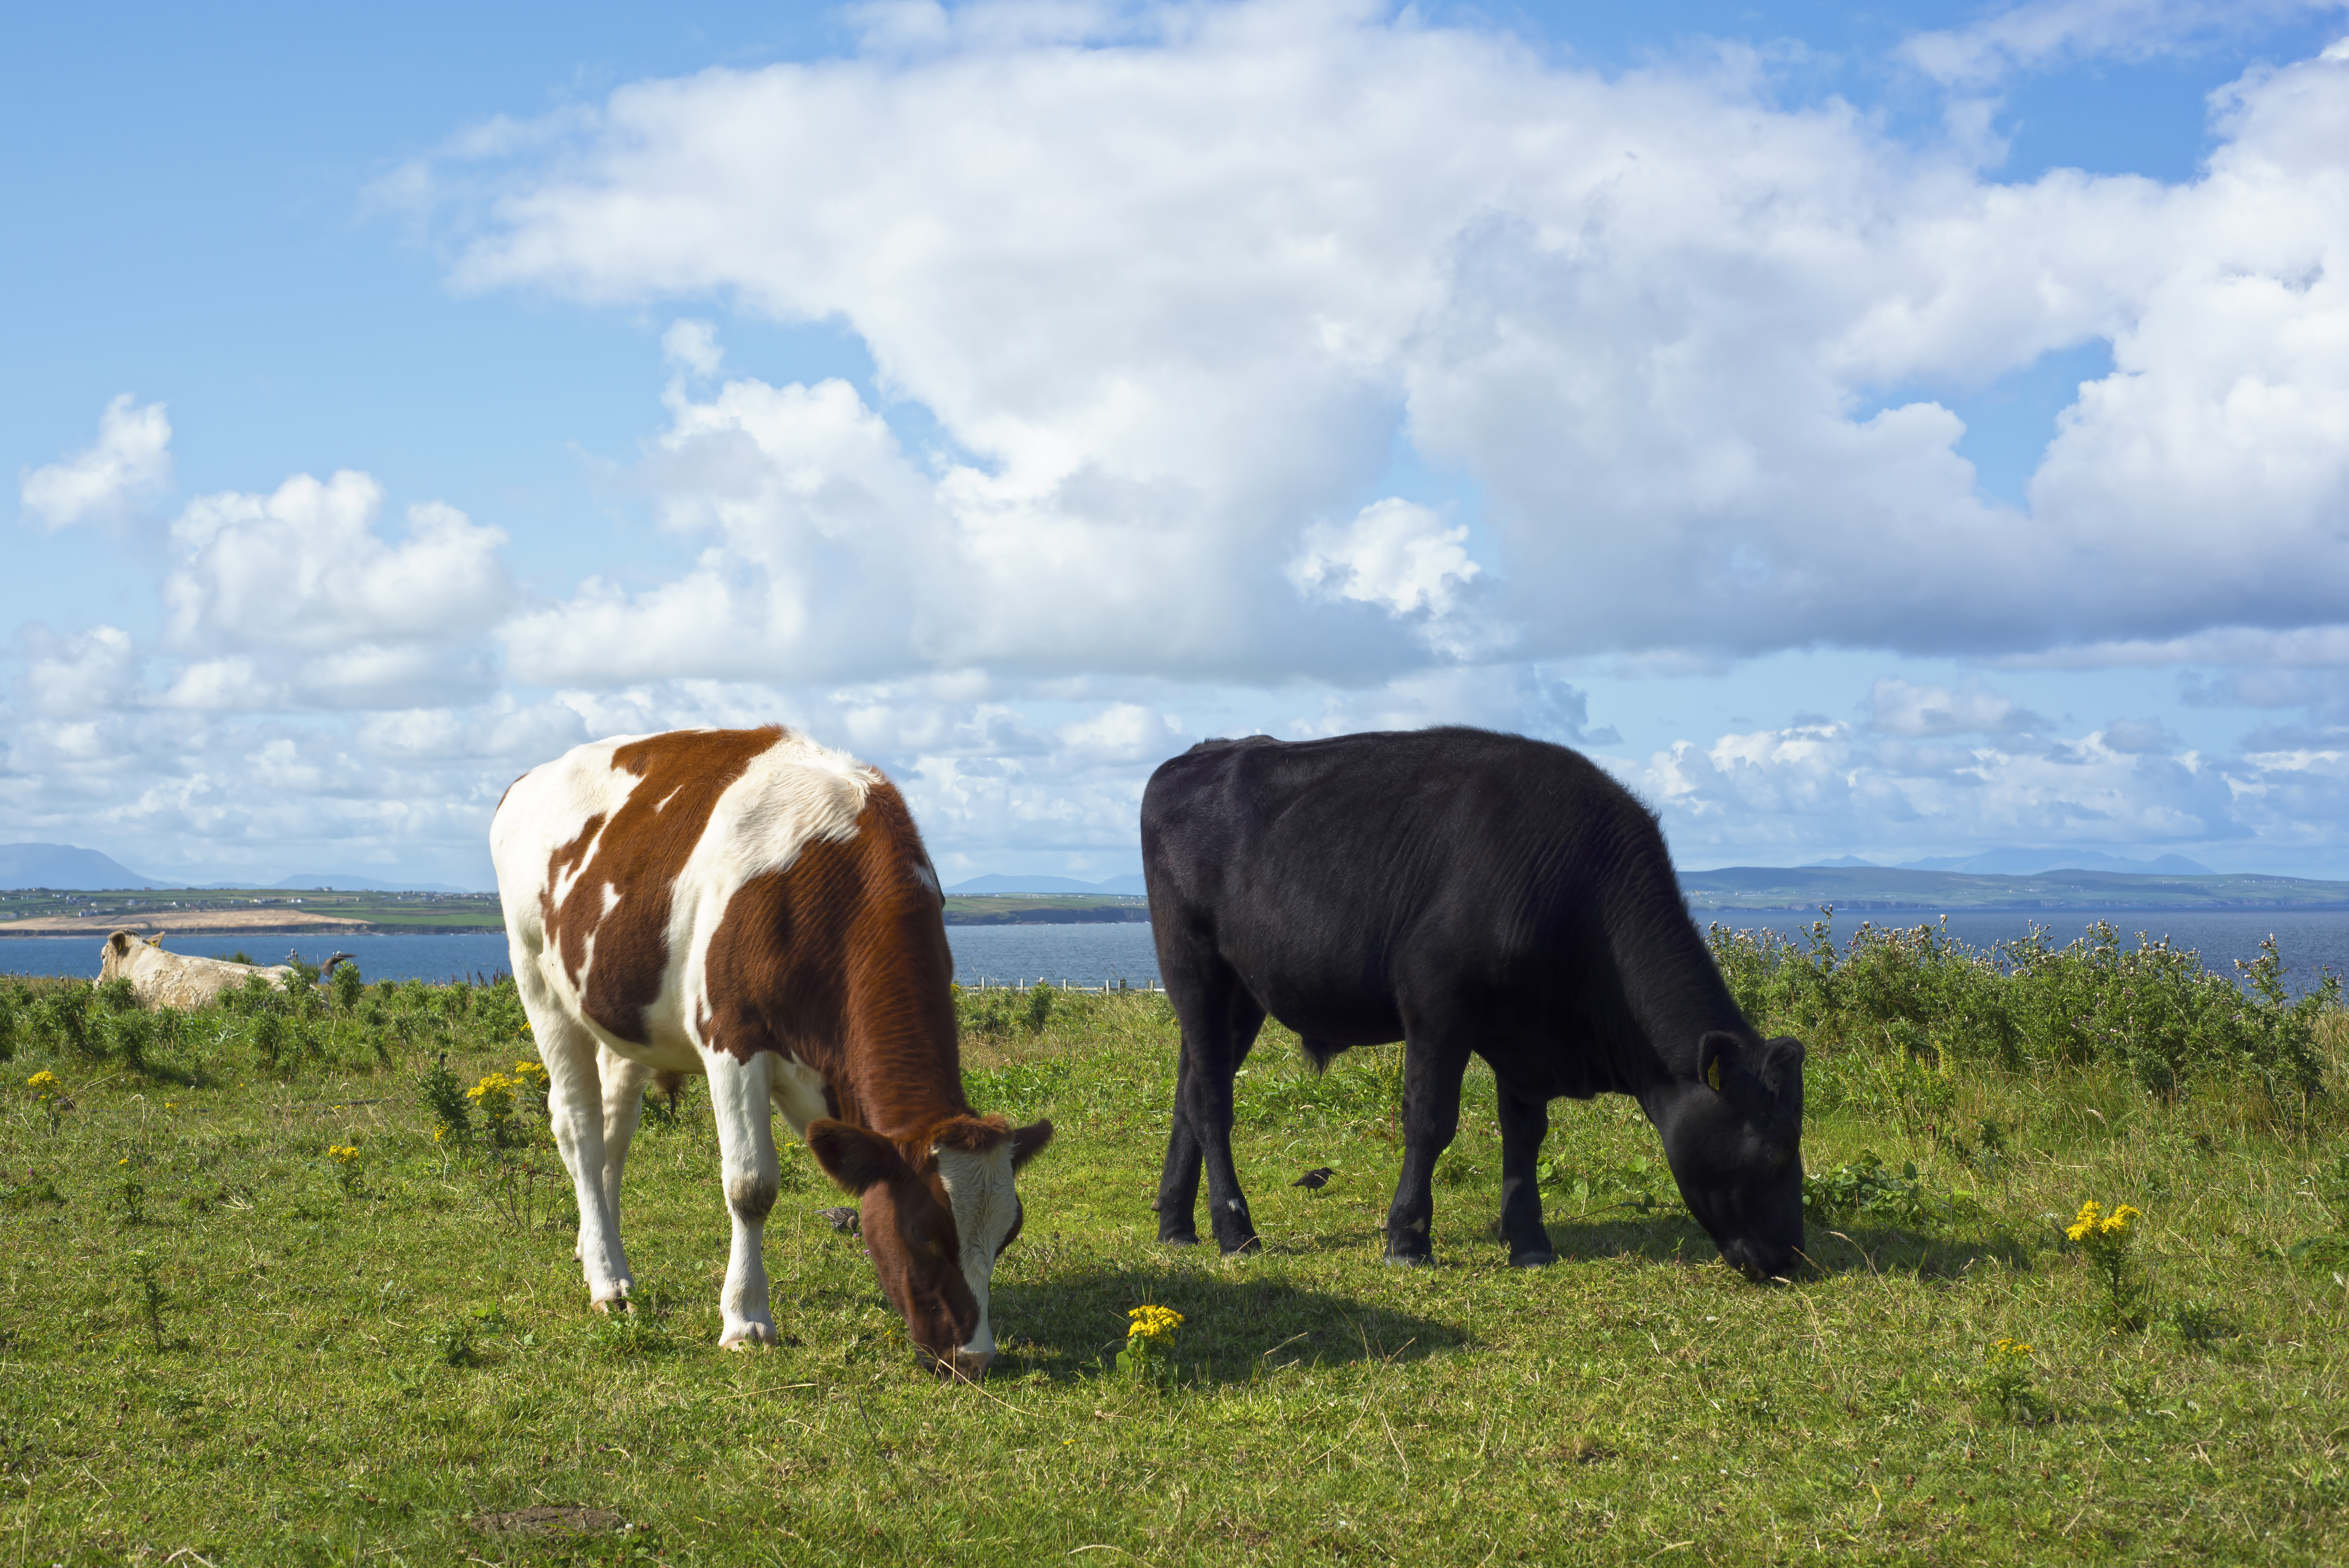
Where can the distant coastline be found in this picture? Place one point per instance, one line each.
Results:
(1868, 889)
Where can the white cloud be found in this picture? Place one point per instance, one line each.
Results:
(129, 464)
(1395, 554)
(1771, 795)
(2045, 33)
(300, 582)
(1171, 281)
(1907, 709)
(692, 346)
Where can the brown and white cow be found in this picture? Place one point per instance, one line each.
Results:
(751, 906)
(180, 980)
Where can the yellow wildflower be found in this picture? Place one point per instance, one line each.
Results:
(44, 1081)
(342, 1153)
(2013, 1348)
(2094, 1222)
(496, 1086)
(1153, 1323)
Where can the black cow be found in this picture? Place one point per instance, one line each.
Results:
(1462, 890)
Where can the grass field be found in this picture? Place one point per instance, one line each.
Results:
(221, 1343)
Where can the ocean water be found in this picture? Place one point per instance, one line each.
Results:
(1095, 954)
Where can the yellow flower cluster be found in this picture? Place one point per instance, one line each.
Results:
(493, 1091)
(1153, 1323)
(44, 1083)
(342, 1153)
(530, 1074)
(2009, 1349)
(2095, 1223)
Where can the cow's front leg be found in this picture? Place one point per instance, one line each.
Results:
(1524, 1124)
(1432, 1070)
(740, 1095)
(1178, 1182)
(574, 1114)
(1218, 1032)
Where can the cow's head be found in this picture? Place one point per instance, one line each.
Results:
(119, 946)
(1733, 1138)
(935, 1228)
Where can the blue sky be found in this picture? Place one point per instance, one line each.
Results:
(1879, 431)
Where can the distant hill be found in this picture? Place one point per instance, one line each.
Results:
(64, 866)
(346, 883)
(995, 883)
(2032, 862)
(1867, 888)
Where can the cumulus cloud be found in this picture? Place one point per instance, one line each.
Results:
(1171, 282)
(1396, 555)
(108, 481)
(2046, 33)
(1904, 708)
(1765, 795)
(303, 582)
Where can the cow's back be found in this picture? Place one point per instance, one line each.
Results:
(645, 876)
(1334, 876)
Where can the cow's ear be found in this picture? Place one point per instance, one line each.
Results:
(1716, 1056)
(854, 1156)
(1029, 1142)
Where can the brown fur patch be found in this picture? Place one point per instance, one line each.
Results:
(638, 854)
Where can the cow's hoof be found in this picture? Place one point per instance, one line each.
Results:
(1532, 1260)
(1410, 1260)
(611, 1303)
(1180, 1239)
(1244, 1246)
(750, 1337)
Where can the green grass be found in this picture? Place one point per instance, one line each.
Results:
(390, 1368)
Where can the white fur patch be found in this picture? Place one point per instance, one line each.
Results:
(980, 1189)
(799, 1093)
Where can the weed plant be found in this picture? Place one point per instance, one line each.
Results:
(289, 1374)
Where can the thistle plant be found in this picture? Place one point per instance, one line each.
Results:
(2109, 1243)
(1149, 1338)
(130, 1191)
(445, 1099)
(151, 1294)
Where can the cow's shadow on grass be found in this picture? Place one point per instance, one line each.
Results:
(1834, 1247)
(1071, 1326)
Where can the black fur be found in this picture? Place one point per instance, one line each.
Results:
(1466, 892)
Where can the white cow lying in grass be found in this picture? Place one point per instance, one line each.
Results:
(161, 979)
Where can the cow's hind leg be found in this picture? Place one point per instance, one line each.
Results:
(624, 1105)
(575, 1112)
(1220, 1021)
(741, 1099)
(1432, 1070)
(1524, 1124)
(1178, 1182)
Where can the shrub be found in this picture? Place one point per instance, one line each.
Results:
(348, 984)
(1894, 1005)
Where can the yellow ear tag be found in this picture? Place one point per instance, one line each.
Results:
(1712, 1075)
